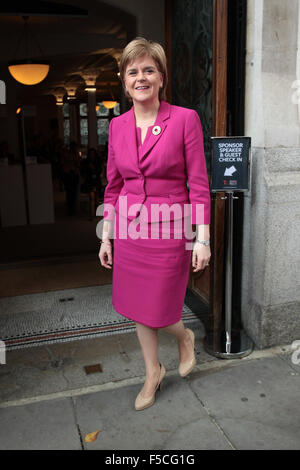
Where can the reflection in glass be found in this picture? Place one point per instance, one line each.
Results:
(102, 131)
(83, 109)
(192, 61)
(117, 109)
(84, 131)
(67, 131)
(101, 110)
(66, 110)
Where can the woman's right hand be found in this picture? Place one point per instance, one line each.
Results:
(105, 254)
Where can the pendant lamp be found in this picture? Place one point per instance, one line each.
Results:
(109, 104)
(28, 71)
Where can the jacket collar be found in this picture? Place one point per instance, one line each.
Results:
(130, 130)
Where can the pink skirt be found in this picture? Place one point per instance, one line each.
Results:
(150, 275)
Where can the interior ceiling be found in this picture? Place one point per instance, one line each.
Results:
(77, 37)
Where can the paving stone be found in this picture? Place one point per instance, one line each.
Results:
(47, 425)
(256, 403)
(177, 420)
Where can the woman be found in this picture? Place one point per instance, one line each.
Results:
(91, 171)
(154, 149)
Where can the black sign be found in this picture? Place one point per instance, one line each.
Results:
(230, 163)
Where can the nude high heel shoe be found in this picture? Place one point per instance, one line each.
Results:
(141, 403)
(186, 367)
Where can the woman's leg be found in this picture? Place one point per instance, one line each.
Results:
(185, 344)
(148, 340)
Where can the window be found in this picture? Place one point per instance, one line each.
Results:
(117, 110)
(66, 115)
(101, 111)
(102, 131)
(84, 132)
(67, 131)
(83, 109)
(103, 118)
(103, 115)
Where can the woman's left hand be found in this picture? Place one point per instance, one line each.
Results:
(201, 256)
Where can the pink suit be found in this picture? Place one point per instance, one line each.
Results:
(150, 275)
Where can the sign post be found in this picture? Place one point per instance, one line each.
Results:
(231, 158)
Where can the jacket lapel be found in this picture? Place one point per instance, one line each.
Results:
(130, 135)
(130, 131)
(162, 116)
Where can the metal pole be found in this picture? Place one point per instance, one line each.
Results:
(235, 344)
(227, 342)
(228, 292)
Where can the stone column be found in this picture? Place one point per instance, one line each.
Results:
(271, 257)
(92, 118)
(90, 80)
(59, 96)
(73, 113)
(60, 119)
(73, 122)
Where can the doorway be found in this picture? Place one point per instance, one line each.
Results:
(205, 45)
(60, 250)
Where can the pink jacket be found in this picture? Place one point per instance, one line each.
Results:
(170, 160)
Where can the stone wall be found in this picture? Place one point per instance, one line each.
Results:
(271, 254)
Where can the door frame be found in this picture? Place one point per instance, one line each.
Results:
(219, 128)
(215, 271)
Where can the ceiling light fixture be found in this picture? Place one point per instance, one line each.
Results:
(71, 91)
(28, 71)
(90, 88)
(110, 104)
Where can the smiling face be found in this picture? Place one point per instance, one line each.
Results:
(143, 80)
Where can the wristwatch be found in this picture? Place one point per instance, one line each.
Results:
(204, 242)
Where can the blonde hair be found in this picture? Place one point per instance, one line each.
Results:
(140, 47)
